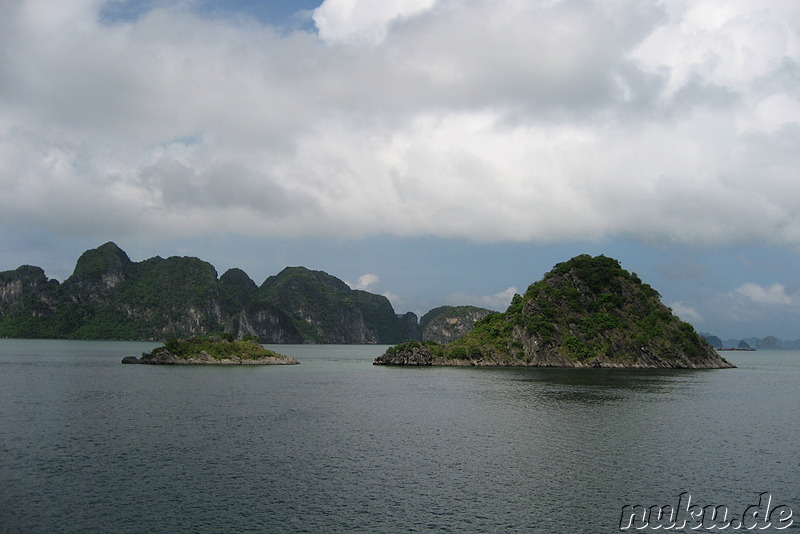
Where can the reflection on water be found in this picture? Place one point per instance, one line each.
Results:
(606, 385)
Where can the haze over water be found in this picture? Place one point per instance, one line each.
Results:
(336, 444)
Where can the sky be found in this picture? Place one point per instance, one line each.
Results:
(434, 151)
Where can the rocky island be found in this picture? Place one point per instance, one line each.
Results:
(109, 297)
(586, 312)
(211, 351)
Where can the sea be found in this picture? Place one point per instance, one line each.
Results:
(335, 444)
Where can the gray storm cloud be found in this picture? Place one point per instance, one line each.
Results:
(494, 121)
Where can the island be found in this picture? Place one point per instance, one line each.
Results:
(586, 312)
(211, 351)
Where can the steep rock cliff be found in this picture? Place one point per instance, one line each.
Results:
(447, 323)
(108, 296)
(324, 309)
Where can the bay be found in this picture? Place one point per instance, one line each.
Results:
(336, 444)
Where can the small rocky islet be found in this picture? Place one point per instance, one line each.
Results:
(586, 312)
(211, 351)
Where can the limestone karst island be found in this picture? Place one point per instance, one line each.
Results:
(211, 351)
(586, 312)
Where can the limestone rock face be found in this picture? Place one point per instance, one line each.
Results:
(410, 353)
(109, 296)
(447, 323)
(268, 323)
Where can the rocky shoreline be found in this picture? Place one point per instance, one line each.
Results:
(419, 355)
(211, 351)
(206, 359)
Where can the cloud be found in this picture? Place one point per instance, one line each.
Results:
(771, 295)
(493, 121)
(751, 309)
(369, 281)
(365, 281)
(685, 312)
(499, 301)
(363, 20)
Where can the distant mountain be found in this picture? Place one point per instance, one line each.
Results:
(447, 323)
(586, 312)
(108, 296)
(713, 340)
(769, 342)
(323, 309)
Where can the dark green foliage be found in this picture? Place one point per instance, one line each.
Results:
(324, 309)
(108, 296)
(215, 347)
(489, 335)
(378, 312)
(27, 307)
(594, 307)
(516, 305)
(577, 348)
(597, 323)
(171, 283)
(587, 310)
(102, 260)
(236, 289)
(141, 300)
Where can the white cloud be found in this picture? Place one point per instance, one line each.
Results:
(393, 298)
(774, 294)
(363, 20)
(365, 281)
(686, 313)
(369, 281)
(506, 120)
(499, 301)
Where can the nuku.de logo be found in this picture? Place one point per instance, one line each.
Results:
(759, 516)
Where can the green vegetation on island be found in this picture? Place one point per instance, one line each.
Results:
(586, 312)
(109, 296)
(324, 309)
(212, 351)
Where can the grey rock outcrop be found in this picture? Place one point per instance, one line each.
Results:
(446, 323)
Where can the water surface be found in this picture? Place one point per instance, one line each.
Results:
(338, 445)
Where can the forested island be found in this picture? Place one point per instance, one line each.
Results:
(586, 312)
(211, 351)
(108, 296)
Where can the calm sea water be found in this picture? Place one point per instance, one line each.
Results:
(338, 445)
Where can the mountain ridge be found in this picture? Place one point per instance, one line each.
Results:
(109, 296)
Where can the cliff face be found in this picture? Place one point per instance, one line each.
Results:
(447, 323)
(108, 296)
(587, 312)
(27, 301)
(268, 323)
(323, 309)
